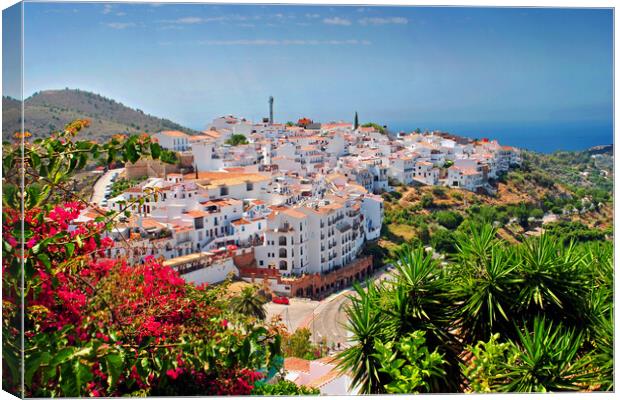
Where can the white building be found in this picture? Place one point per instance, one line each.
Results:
(173, 140)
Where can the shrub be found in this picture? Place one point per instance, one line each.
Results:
(443, 241)
(448, 219)
(439, 191)
(427, 201)
(237, 139)
(101, 327)
(282, 388)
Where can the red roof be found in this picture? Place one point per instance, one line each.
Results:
(296, 364)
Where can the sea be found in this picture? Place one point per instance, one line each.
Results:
(541, 137)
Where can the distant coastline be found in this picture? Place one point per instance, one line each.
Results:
(540, 137)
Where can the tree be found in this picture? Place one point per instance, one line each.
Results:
(356, 122)
(448, 219)
(551, 303)
(418, 130)
(250, 303)
(443, 241)
(299, 345)
(95, 326)
(427, 201)
(237, 139)
(375, 126)
(366, 324)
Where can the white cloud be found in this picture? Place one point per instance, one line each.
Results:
(193, 20)
(120, 25)
(290, 42)
(384, 21)
(107, 8)
(336, 21)
(313, 16)
(189, 20)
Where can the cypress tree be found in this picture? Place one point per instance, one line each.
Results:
(356, 123)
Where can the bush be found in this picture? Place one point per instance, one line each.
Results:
(456, 195)
(427, 201)
(439, 191)
(237, 139)
(443, 241)
(448, 219)
(96, 326)
(282, 388)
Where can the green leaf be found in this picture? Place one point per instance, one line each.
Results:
(114, 364)
(44, 258)
(33, 364)
(155, 150)
(70, 247)
(62, 356)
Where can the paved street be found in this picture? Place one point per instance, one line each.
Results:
(325, 319)
(330, 320)
(100, 185)
(294, 314)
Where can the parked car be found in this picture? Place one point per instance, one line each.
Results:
(280, 300)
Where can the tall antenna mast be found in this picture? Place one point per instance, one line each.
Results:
(271, 110)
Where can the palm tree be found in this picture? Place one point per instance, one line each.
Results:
(250, 303)
(366, 323)
(553, 281)
(421, 300)
(486, 296)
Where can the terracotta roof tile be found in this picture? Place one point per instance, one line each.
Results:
(296, 364)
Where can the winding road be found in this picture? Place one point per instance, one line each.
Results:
(103, 181)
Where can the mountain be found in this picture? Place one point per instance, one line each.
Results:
(51, 110)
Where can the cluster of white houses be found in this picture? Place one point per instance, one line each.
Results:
(293, 207)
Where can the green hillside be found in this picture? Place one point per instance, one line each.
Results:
(50, 110)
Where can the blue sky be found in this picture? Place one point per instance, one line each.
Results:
(394, 65)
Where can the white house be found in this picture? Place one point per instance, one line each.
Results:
(173, 140)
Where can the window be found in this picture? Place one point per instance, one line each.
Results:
(282, 240)
(283, 265)
(282, 253)
(224, 191)
(249, 186)
(260, 263)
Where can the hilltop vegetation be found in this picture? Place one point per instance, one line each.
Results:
(51, 110)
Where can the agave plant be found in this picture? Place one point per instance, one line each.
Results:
(366, 323)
